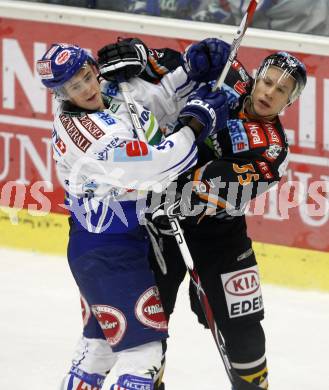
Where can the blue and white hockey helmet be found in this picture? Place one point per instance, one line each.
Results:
(290, 66)
(59, 64)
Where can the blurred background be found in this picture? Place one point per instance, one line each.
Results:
(300, 16)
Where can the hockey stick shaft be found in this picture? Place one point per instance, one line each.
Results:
(141, 136)
(132, 110)
(246, 20)
(181, 242)
(237, 382)
(206, 308)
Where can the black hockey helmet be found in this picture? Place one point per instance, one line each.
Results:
(291, 66)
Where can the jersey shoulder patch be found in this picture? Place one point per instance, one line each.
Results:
(238, 135)
(275, 140)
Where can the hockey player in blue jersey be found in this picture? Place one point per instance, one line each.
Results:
(279, 82)
(105, 170)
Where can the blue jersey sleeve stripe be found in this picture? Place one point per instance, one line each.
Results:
(192, 150)
(191, 163)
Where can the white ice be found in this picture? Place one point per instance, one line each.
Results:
(40, 324)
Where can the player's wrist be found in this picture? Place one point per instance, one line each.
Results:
(195, 125)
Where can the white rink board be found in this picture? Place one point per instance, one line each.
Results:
(40, 324)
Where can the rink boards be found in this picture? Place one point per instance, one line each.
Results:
(280, 265)
(293, 222)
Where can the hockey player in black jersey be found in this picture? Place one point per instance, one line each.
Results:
(244, 160)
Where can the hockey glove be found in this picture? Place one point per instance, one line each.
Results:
(159, 63)
(159, 208)
(204, 61)
(190, 211)
(176, 202)
(209, 109)
(127, 57)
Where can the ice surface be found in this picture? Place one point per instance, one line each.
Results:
(40, 324)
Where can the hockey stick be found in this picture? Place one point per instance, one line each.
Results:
(235, 379)
(246, 20)
(237, 382)
(132, 109)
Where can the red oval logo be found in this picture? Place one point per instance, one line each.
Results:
(149, 310)
(62, 57)
(243, 283)
(112, 321)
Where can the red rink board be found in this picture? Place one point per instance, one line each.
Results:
(26, 109)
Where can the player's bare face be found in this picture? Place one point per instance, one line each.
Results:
(271, 93)
(83, 89)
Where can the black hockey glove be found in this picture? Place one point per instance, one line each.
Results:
(159, 63)
(157, 213)
(127, 57)
(183, 204)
